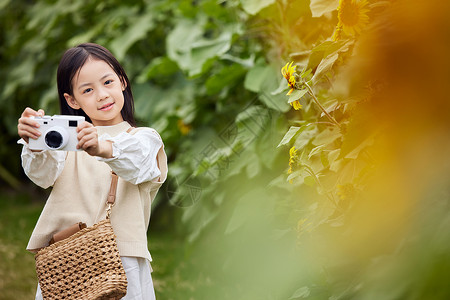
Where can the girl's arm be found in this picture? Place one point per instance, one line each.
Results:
(134, 156)
(42, 167)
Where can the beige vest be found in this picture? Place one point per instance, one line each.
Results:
(79, 195)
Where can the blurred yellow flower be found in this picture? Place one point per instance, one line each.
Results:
(184, 128)
(337, 33)
(296, 105)
(302, 225)
(292, 158)
(346, 191)
(352, 15)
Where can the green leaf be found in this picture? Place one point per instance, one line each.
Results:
(358, 131)
(336, 165)
(256, 77)
(309, 180)
(327, 136)
(247, 63)
(320, 7)
(296, 95)
(305, 73)
(355, 152)
(137, 31)
(330, 106)
(324, 159)
(251, 122)
(260, 79)
(180, 39)
(282, 87)
(297, 177)
(224, 79)
(325, 65)
(205, 49)
(275, 102)
(158, 67)
(187, 46)
(305, 136)
(254, 6)
(302, 292)
(316, 150)
(333, 155)
(314, 59)
(324, 50)
(293, 131)
(4, 3)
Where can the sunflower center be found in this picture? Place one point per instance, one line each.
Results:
(349, 13)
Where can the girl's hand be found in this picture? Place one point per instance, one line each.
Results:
(26, 127)
(88, 141)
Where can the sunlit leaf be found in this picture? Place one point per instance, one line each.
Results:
(256, 76)
(355, 152)
(320, 7)
(325, 65)
(327, 136)
(254, 6)
(293, 130)
(302, 292)
(305, 137)
(316, 150)
(296, 95)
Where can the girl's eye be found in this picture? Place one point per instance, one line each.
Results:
(87, 90)
(108, 82)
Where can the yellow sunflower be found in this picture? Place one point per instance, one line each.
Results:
(292, 159)
(296, 105)
(288, 71)
(352, 15)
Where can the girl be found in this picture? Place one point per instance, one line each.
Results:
(92, 83)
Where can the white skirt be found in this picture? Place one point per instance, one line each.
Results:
(140, 284)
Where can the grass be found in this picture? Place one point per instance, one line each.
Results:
(18, 216)
(17, 275)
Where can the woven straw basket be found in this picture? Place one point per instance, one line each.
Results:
(86, 265)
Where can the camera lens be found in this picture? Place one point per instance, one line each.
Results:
(53, 139)
(56, 138)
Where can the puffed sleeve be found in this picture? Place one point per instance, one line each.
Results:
(135, 155)
(43, 168)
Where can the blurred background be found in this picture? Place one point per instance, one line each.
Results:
(328, 179)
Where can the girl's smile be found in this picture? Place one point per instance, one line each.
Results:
(98, 91)
(107, 107)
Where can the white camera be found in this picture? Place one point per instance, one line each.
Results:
(58, 132)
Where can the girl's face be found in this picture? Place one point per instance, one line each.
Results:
(97, 90)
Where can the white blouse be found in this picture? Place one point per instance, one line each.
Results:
(133, 158)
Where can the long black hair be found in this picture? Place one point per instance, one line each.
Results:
(71, 62)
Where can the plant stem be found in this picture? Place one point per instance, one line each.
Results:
(311, 92)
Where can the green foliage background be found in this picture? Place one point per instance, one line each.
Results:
(206, 75)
